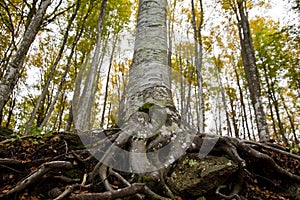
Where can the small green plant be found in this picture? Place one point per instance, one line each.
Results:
(293, 147)
(192, 162)
(35, 131)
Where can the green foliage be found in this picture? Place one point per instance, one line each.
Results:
(192, 162)
(293, 147)
(277, 59)
(35, 131)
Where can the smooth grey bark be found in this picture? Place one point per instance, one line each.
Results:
(53, 69)
(149, 108)
(83, 113)
(12, 73)
(199, 62)
(115, 37)
(149, 69)
(250, 68)
(223, 98)
(79, 79)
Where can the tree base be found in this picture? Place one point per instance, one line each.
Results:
(58, 166)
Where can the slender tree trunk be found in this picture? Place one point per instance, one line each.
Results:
(98, 78)
(252, 75)
(61, 112)
(188, 99)
(51, 108)
(272, 100)
(107, 81)
(277, 111)
(291, 120)
(51, 74)
(70, 119)
(78, 81)
(233, 117)
(218, 71)
(10, 112)
(83, 114)
(244, 113)
(12, 73)
(170, 35)
(198, 61)
(182, 89)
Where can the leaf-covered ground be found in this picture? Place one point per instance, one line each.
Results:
(44, 166)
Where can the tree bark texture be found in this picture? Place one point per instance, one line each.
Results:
(12, 73)
(83, 114)
(199, 62)
(149, 69)
(53, 69)
(252, 75)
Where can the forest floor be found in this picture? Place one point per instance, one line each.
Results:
(44, 166)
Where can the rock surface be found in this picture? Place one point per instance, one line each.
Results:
(194, 176)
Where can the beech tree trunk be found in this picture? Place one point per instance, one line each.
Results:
(252, 75)
(82, 113)
(149, 119)
(114, 43)
(149, 70)
(198, 62)
(12, 73)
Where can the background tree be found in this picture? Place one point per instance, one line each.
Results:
(12, 73)
(248, 56)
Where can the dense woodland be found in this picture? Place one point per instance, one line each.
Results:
(65, 68)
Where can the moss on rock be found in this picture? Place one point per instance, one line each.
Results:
(194, 176)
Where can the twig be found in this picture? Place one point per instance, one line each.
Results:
(12, 169)
(65, 179)
(121, 178)
(67, 192)
(33, 178)
(8, 161)
(267, 146)
(124, 192)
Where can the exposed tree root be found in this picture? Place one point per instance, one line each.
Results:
(36, 176)
(244, 153)
(124, 192)
(233, 196)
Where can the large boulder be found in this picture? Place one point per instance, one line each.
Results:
(193, 176)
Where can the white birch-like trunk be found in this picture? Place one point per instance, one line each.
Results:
(198, 51)
(149, 110)
(82, 115)
(149, 78)
(12, 74)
